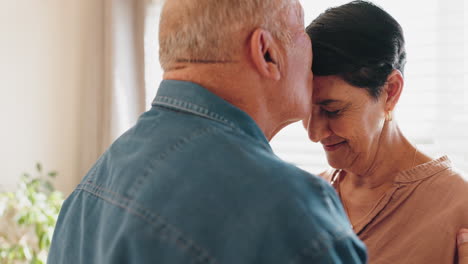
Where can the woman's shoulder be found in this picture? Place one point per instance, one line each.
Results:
(449, 185)
(450, 191)
(439, 188)
(456, 182)
(449, 176)
(440, 170)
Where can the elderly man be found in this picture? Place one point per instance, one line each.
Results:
(195, 180)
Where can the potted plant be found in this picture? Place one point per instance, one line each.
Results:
(27, 219)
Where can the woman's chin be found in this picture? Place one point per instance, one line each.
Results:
(335, 162)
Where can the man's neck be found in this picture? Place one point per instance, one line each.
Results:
(235, 86)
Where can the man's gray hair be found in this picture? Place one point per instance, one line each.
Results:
(206, 30)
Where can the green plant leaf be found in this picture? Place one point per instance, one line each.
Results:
(44, 242)
(48, 186)
(36, 260)
(52, 174)
(33, 206)
(39, 167)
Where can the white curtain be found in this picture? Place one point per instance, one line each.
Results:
(113, 94)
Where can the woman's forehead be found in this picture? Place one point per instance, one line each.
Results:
(333, 89)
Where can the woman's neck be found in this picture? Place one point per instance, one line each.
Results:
(394, 153)
(361, 189)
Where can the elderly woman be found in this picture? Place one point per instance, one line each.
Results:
(406, 206)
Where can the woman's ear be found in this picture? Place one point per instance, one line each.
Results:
(393, 89)
(265, 54)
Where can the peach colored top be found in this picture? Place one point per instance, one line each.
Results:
(417, 220)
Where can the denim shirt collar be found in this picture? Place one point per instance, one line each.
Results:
(197, 100)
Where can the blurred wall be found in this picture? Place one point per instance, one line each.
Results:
(50, 52)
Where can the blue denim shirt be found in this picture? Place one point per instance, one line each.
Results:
(195, 181)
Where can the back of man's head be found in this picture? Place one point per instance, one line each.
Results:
(212, 30)
(254, 54)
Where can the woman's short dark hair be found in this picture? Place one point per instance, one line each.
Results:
(359, 42)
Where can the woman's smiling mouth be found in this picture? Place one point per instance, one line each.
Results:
(333, 147)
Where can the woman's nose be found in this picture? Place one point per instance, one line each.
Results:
(317, 126)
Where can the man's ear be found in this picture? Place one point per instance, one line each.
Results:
(393, 89)
(265, 54)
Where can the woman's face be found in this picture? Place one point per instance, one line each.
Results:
(347, 121)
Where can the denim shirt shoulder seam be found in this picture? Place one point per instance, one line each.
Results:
(170, 233)
(192, 108)
(170, 102)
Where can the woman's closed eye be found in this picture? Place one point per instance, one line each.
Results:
(331, 113)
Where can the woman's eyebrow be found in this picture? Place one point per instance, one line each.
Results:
(328, 101)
